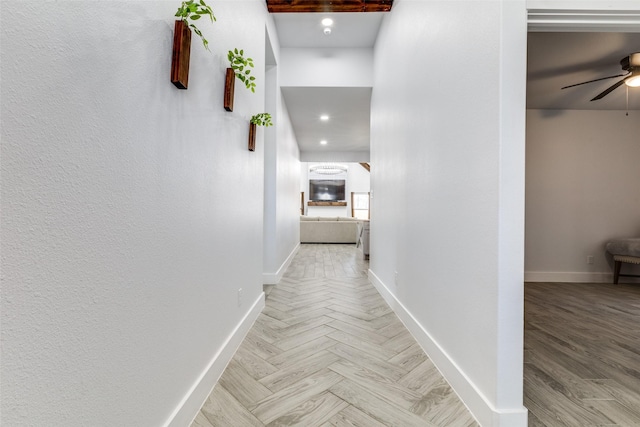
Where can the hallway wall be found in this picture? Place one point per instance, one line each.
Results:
(131, 210)
(282, 195)
(447, 191)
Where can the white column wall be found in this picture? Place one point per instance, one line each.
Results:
(131, 210)
(448, 184)
(282, 210)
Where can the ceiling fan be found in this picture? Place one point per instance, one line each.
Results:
(630, 64)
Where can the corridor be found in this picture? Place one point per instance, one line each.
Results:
(328, 351)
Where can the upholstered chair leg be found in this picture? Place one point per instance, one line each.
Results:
(616, 271)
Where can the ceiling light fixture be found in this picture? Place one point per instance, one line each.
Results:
(324, 117)
(327, 23)
(323, 142)
(633, 80)
(328, 168)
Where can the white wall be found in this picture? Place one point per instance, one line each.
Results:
(282, 191)
(327, 67)
(131, 210)
(581, 191)
(357, 180)
(452, 150)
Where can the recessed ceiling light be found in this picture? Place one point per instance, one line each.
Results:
(323, 142)
(324, 117)
(327, 22)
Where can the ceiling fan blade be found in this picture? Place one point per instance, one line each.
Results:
(609, 90)
(596, 80)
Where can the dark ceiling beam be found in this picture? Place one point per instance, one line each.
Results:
(326, 6)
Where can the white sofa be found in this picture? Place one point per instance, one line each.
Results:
(315, 229)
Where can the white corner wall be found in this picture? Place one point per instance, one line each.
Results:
(131, 212)
(581, 191)
(282, 191)
(447, 218)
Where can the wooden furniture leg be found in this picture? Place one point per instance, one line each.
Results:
(616, 271)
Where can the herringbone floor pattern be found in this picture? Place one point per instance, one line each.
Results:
(328, 351)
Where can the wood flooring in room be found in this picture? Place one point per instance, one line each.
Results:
(582, 354)
(328, 351)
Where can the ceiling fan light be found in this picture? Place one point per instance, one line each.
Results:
(633, 81)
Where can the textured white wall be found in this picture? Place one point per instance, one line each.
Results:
(581, 190)
(327, 67)
(131, 210)
(447, 157)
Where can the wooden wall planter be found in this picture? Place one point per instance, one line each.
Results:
(181, 54)
(252, 136)
(229, 88)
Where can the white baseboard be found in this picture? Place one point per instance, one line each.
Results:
(478, 405)
(197, 395)
(573, 277)
(274, 278)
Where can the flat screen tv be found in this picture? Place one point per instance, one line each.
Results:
(326, 190)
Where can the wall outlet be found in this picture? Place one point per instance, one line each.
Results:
(240, 297)
(589, 259)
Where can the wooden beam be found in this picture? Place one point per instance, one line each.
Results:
(325, 6)
(366, 166)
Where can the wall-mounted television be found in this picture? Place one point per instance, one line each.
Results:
(326, 190)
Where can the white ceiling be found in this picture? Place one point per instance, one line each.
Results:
(348, 108)
(348, 126)
(348, 30)
(554, 60)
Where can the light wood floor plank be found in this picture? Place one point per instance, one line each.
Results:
(409, 358)
(369, 361)
(362, 344)
(241, 385)
(379, 385)
(381, 410)
(222, 410)
(313, 412)
(352, 417)
(285, 400)
(293, 373)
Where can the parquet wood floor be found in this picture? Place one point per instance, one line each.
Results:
(582, 354)
(328, 351)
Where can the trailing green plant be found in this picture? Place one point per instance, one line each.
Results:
(242, 68)
(190, 9)
(262, 119)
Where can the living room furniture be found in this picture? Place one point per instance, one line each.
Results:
(624, 251)
(363, 238)
(315, 229)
